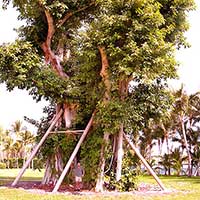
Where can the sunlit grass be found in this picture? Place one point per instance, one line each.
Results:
(12, 173)
(179, 188)
(8, 175)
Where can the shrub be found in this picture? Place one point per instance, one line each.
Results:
(128, 180)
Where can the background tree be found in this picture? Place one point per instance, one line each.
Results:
(16, 145)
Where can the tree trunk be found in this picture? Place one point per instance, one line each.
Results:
(123, 90)
(105, 77)
(100, 178)
(186, 147)
(73, 155)
(167, 143)
(120, 154)
(53, 169)
(47, 173)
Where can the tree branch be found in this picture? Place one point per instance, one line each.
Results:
(104, 72)
(51, 29)
(70, 14)
(50, 56)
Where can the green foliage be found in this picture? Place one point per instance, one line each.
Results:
(2, 165)
(89, 154)
(166, 163)
(129, 178)
(17, 64)
(108, 112)
(177, 160)
(128, 181)
(22, 67)
(139, 37)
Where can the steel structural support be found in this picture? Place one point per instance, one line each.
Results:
(144, 162)
(62, 176)
(26, 164)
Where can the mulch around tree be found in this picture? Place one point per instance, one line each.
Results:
(37, 187)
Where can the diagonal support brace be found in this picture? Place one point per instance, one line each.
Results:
(62, 176)
(144, 162)
(37, 148)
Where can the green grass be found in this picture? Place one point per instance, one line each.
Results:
(8, 175)
(182, 188)
(29, 174)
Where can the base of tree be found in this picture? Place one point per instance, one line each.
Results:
(37, 187)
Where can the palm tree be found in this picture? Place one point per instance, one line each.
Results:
(7, 147)
(17, 143)
(16, 148)
(180, 115)
(194, 142)
(166, 163)
(27, 140)
(2, 135)
(177, 160)
(186, 117)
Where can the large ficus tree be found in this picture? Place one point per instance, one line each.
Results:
(112, 56)
(40, 62)
(135, 41)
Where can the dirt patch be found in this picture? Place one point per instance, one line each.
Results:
(37, 187)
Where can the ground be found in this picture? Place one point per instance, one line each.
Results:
(37, 187)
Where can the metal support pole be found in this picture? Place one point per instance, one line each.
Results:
(62, 176)
(145, 162)
(37, 148)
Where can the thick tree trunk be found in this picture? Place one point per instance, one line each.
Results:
(123, 87)
(100, 179)
(47, 173)
(105, 77)
(54, 59)
(73, 155)
(53, 169)
(120, 154)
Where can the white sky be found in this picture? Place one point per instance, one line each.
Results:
(189, 70)
(14, 105)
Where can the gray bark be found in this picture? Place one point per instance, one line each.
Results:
(120, 154)
(100, 178)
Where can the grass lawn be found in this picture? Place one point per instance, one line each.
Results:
(183, 188)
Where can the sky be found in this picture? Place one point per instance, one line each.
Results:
(17, 104)
(189, 58)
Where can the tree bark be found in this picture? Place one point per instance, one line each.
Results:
(54, 168)
(186, 147)
(47, 173)
(100, 178)
(51, 175)
(105, 77)
(72, 157)
(54, 59)
(120, 154)
(123, 90)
